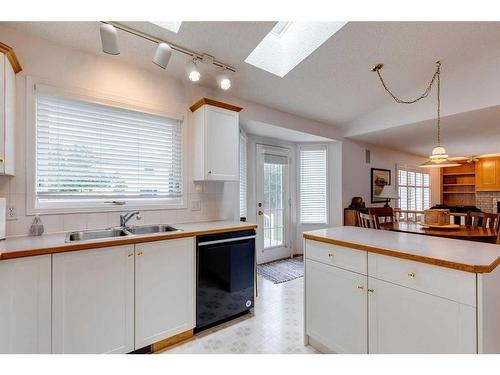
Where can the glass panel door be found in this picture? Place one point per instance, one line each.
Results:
(274, 182)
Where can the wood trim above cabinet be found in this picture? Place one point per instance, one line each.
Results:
(215, 103)
(11, 56)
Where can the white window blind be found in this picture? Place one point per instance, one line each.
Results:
(313, 185)
(414, 190)
(243, 175)
(87, 151)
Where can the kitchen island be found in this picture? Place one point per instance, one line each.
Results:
(373, 291)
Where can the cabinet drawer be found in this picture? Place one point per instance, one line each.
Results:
(455, 285)
(343, 257)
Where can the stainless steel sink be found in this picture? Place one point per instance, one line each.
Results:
(99, 234)
(151, 229)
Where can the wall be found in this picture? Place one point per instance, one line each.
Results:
(485, 200)
(356, 172)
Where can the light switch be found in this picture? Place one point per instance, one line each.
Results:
(195, 205)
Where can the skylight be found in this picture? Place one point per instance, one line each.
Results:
(288, 43)
(173, 26)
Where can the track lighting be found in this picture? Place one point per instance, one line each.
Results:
(192, 71)
(162, 55)
(109, 39)
(223, 81)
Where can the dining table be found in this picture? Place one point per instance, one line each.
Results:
(461, 232)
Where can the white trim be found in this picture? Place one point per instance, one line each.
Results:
(33, 207)
(314, 146)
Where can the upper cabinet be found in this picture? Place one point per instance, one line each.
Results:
(216, 141)
(488, 174)
(9, 66)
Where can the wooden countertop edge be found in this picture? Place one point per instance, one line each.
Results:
(437, 262)
(67, 247)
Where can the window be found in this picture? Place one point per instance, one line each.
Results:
(243, 175)
(313, 185)
(414, 190)
(89, 154)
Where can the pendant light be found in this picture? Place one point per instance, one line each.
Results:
(438, 157)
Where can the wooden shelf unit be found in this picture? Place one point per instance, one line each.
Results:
(458, 185)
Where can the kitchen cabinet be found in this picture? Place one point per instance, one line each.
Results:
(336, 308)
(488, 174)
(25, 305)
(93, 301)
(403, 320)
(216, 141)
(8, 68)
(164, 289)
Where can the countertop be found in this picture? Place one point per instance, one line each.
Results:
(18, 247)
(463, 255)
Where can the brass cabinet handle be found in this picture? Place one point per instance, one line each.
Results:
(330, 255)
(361, 287)
(371, 290)
(260, 213)
(209, 172)
(130, 255)
(139, 253)
(412, 275)
(1, 160)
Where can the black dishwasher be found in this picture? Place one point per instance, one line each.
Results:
(225, 276)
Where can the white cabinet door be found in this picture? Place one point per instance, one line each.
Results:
(404, 320)
(222, 144)
(93, 301)
(164, 289)
(25, 305)
(336, 308)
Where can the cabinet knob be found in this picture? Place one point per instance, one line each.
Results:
(139, 253)
(130, 255)
(260, 213)
(330, 255)
(361, 287)
(209, 172)
(371, 290)
(1, 160)
(412, 275)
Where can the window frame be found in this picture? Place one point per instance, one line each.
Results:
(415, 170)
(33, 206)
(315, 146)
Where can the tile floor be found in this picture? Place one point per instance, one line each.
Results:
(275, 328)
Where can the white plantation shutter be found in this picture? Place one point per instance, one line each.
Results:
(414, 189)
(243, 175)
(86, 150)
(313, 185)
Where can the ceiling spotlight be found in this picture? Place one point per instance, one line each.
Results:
(192, 71)
(223, 81)
(109, 39)
(162, 55)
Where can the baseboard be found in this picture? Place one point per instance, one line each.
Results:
(163, 344)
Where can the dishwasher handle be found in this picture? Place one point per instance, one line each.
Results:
(226, 240)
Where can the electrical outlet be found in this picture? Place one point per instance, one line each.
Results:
(195, 205)
(11, 213)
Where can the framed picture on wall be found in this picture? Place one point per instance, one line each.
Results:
(379, 178)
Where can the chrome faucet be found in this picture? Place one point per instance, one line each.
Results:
(127, 216)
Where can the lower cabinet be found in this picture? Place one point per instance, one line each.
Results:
(93, 301)
(403, 320)
(336, 308)
(25, 305)
(122, 298)
(164, 289)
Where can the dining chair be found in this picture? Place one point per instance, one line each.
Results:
(483, 219)
(382, 215)
(491, 221)
(367, 221)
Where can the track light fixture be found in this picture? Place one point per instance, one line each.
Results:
(192, 71)
(109, 39)
(223, 81)
(162, 55)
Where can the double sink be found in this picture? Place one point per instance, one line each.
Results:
(100, 234)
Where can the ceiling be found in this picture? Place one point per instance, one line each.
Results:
(284, 134)
(334, 84)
